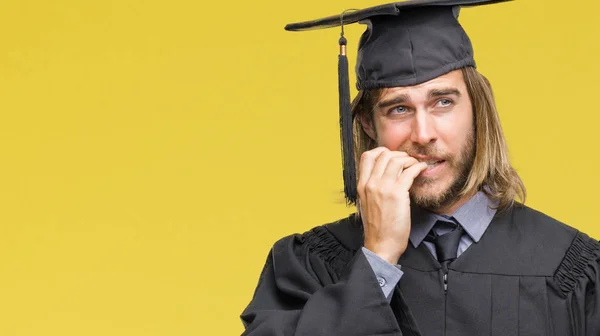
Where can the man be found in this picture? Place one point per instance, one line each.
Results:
(438, 245)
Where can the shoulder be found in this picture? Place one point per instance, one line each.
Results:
(545, 229)
(333, 243)
(529, 219)
(542, 234)
(580, 258)
(522, 241)
(580, 265)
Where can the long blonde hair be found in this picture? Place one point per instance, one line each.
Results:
(491, 168)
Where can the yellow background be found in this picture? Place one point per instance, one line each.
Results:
(152, 151)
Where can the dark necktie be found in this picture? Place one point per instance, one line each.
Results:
(446, 245)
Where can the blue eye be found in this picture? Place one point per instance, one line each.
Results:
(444, 102)
(399, 110)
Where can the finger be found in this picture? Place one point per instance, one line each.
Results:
(367, 161)
(395, 167)
(382, 162)
(408, 165)
(409, 175)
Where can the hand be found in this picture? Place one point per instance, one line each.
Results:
(385, 179)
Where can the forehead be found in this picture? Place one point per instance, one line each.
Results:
(453, 79)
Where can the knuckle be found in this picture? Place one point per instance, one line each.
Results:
(371, 188)
(386, 191)
(389, 154)
(413, 161)
(394, 198)
(384, 156)
(367, 155)
(361, 190)
(398, 159)
(406, 179)
(401, 155)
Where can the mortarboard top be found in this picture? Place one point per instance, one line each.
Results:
(406, 43)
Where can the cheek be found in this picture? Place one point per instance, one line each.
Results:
(456, 131)
(392, 135)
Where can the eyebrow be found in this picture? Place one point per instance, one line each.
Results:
(444, 92)
(404, 98)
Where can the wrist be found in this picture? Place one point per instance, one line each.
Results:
(391, 255)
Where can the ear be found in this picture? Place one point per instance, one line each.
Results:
(367, 126)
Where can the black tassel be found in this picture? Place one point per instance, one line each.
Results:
(346, 134)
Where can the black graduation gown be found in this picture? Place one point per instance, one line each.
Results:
(528, 275)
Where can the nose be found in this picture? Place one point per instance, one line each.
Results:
(423, 128)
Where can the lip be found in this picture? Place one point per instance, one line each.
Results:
(432, 171)
(425, 158)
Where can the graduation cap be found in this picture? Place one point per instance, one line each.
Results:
(406, 43)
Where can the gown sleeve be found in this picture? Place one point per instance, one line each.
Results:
(300, 292)
(579, 280)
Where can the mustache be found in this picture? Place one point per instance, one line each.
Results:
(426, 150)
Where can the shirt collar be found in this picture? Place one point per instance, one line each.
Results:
(474, 216)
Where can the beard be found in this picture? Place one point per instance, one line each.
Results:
(460, 166)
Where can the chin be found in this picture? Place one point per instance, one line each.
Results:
(429, 194)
